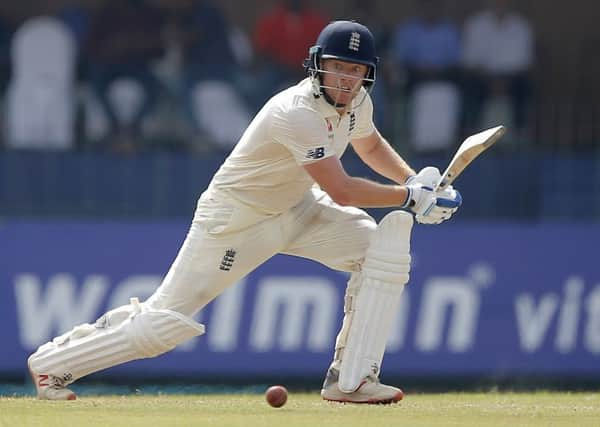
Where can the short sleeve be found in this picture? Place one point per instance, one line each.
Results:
(364, 117)
(304, 133)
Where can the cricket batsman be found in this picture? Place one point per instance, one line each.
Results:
(284, 190)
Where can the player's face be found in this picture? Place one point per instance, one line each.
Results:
(342, 80)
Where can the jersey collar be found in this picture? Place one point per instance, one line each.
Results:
(325, 107)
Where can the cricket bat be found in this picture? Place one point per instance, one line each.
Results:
(471, 147)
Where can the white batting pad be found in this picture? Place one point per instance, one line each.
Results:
(372, 301)
(126, 333)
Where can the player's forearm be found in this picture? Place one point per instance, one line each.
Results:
(364, 193)
(384, 160)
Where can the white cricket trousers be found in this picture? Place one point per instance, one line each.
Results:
(227, 241)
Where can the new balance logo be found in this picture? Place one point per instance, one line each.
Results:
(227, 261)
(354, 43)
(317, 153)
(329, 129)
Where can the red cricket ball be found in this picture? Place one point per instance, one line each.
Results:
(276, 396)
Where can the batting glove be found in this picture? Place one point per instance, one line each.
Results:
(446, 201)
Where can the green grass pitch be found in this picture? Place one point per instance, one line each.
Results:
(307, 410)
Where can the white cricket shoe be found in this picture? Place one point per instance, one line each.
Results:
(370, 391)
(50, 387)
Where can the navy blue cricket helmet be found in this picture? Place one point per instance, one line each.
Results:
(347, 41)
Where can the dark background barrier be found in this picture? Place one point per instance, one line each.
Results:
(523, 186)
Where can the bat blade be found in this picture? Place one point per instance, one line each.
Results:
(472, 147)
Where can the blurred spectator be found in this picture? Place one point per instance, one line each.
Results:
(364, 11)
(201, 31)
(40, 110)
(427, 47)
(125, 37)
(5, 36)
(210, 69)
(77, 18)
(282, 38)
(498, 56)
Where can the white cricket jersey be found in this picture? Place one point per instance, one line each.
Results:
(264, 171)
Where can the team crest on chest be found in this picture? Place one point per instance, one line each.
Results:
(329, 125)
(354, 43)
(329, 128)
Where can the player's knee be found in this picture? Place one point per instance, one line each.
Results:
(150, 331)
(367, 227)
(388, 256)
(154, 333)
(397, 220)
